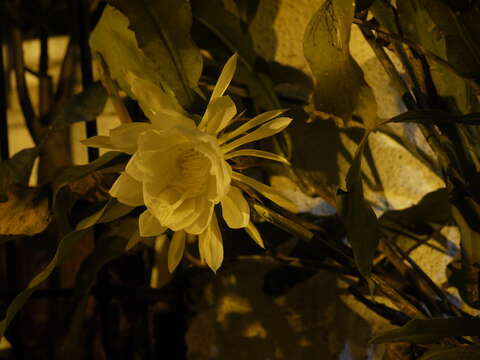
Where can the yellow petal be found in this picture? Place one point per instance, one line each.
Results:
(255, 234)
(218, 115)
(99, 142)
(267, 191)
(250, 124)
(148, 225)
(225, 77)
(127, 190)
(176, 249)
(257, 153)
(210, 245)
(235, 209)
(271, 128)
(125, 136)
(203, 220)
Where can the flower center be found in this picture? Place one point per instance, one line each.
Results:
(193, 172)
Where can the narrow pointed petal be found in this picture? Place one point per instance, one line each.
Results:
(175, 250)
(99, 142)
(125, 136)
(267, 191)
(253, 232)
(148, 225)
(218, 115)
(271, 128)
(127, 190)
(210, 245)
(250, 124)
(235, 209)
(257, 153)
(225, 77)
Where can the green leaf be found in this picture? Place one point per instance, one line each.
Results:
(416, 23)
(464, 353)
(420, 220)
(340, 89)
(232, 34)
(16, 170)
(107, 248)
(360, 221)
(65, 247)
(162, 29)
(470, 245)
(117, 44)
(72, 173)
(111, 211)
(461, 32)
(430, 330)
(85, 106)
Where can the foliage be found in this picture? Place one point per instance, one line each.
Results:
(165, 56)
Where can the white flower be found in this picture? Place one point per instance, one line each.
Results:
(180, 172)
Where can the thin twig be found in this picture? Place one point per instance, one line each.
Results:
(28, 111)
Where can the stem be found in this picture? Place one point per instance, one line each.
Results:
(83, 30)
(22, 88)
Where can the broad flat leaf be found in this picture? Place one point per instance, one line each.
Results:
(69, 174)
(85, 106)
(318, 146)
(340, 89)
(360, 221)
(107, 248)
(16, 170)
(119, 48)
(461, 32)
(111, 211)
(419, 220)
(470, 245)
(232, 34)
(416, 23)
(162, 30)
(430, 330)
(65, 247)
(471, 352)
(27, 212)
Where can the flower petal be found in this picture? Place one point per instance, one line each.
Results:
(253, 232)
(125, 136)
(250, 124)
(99, 142)
(179, 218)
(127, 190)
(257, 153)
(225, 77)
(148, 225)
(235, 209)
(271, 128)
(203, 220)
(162, 110)
(267, 191)
(218, 115)
(176, 249)
(210, 245)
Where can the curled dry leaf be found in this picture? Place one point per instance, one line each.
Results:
(26, 212)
